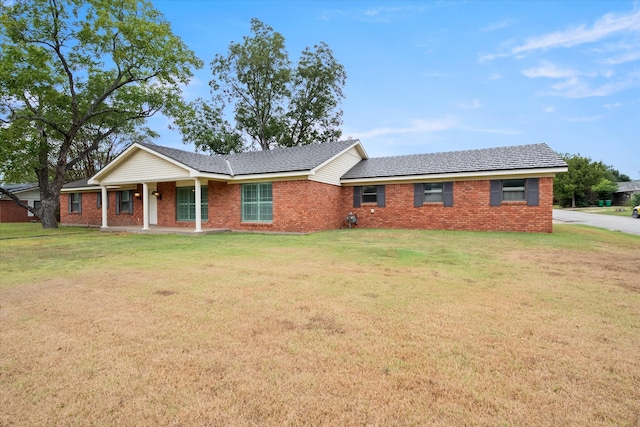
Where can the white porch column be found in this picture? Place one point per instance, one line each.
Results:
(198, 206)
(105, 205)
(145, 206)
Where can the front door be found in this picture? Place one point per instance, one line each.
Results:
(153, 209)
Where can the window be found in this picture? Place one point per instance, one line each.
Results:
(513, 189)
(124, 202)
(99, 200)
(37, 204)
(186, 203)
(75, 203)
(433, 192)
(257, 202)
(369, 194)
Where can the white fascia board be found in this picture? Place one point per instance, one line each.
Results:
(458, 176)
(356, 143)
(90, 188)
(126, 153)
(79, 189)
(278, 176)
(211, 176)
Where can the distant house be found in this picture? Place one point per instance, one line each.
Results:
(10, 211)
(314, 187)
(624, 192)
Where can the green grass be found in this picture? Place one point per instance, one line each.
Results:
(345, 327)
(610, 210)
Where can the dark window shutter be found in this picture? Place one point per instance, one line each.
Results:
(418, 195)
(382, 200)
(98, 200)
(79, 203)
(357, 196)
(533, 191)
(70, 198)
(118, 194)
(447, 193)
(131, 201)
(496, 193)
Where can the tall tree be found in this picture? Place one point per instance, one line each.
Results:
(575, 187)
(74, 73)
(272, 102)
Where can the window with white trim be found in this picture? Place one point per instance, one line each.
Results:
(433, 192)
(513, 190)
(257, 202)
(75, 203)
(186, 203)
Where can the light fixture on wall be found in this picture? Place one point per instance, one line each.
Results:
(136, 195)
(157, 194)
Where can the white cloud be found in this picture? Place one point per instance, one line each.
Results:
(484, 58)
(475, 103)
(577, 88)
(550, 70)
(417, 126)
(607, 25)
(549, 109)
(495, 76)
(623, 58)
(496, 131)
(585, 119)
(494, 26)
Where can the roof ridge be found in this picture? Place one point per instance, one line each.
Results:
(470, 150)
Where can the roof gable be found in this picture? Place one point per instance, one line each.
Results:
(290, 159)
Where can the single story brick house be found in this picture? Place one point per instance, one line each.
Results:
(314, 187)
(28, 193)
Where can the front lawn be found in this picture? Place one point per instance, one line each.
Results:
(347, 327)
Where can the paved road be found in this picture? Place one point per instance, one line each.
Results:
(616, 223)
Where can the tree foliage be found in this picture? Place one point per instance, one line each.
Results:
(273, 103)
(75, 73)
(575, 188)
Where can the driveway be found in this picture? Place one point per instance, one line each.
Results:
(610, 222)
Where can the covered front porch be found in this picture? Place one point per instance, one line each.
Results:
(153, 198)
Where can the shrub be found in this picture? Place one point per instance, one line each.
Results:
(634, 200)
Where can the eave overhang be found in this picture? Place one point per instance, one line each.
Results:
(457, 176)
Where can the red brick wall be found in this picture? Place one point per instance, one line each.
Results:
(11, 212)
(298, 206)
(470, 210)
(92, 215)
(307, 206)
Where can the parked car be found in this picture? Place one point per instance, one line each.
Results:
(636, 212)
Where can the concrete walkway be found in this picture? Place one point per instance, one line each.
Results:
(610, 222)
(164, 230)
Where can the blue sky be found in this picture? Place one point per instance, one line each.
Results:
(443, 76)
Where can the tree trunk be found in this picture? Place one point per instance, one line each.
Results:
(49, 212)
(573, 200)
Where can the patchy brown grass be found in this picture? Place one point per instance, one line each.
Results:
(342, 328)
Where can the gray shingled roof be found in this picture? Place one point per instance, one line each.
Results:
(532, 156)
(18, 188)
(628, 186)
(257, 162)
